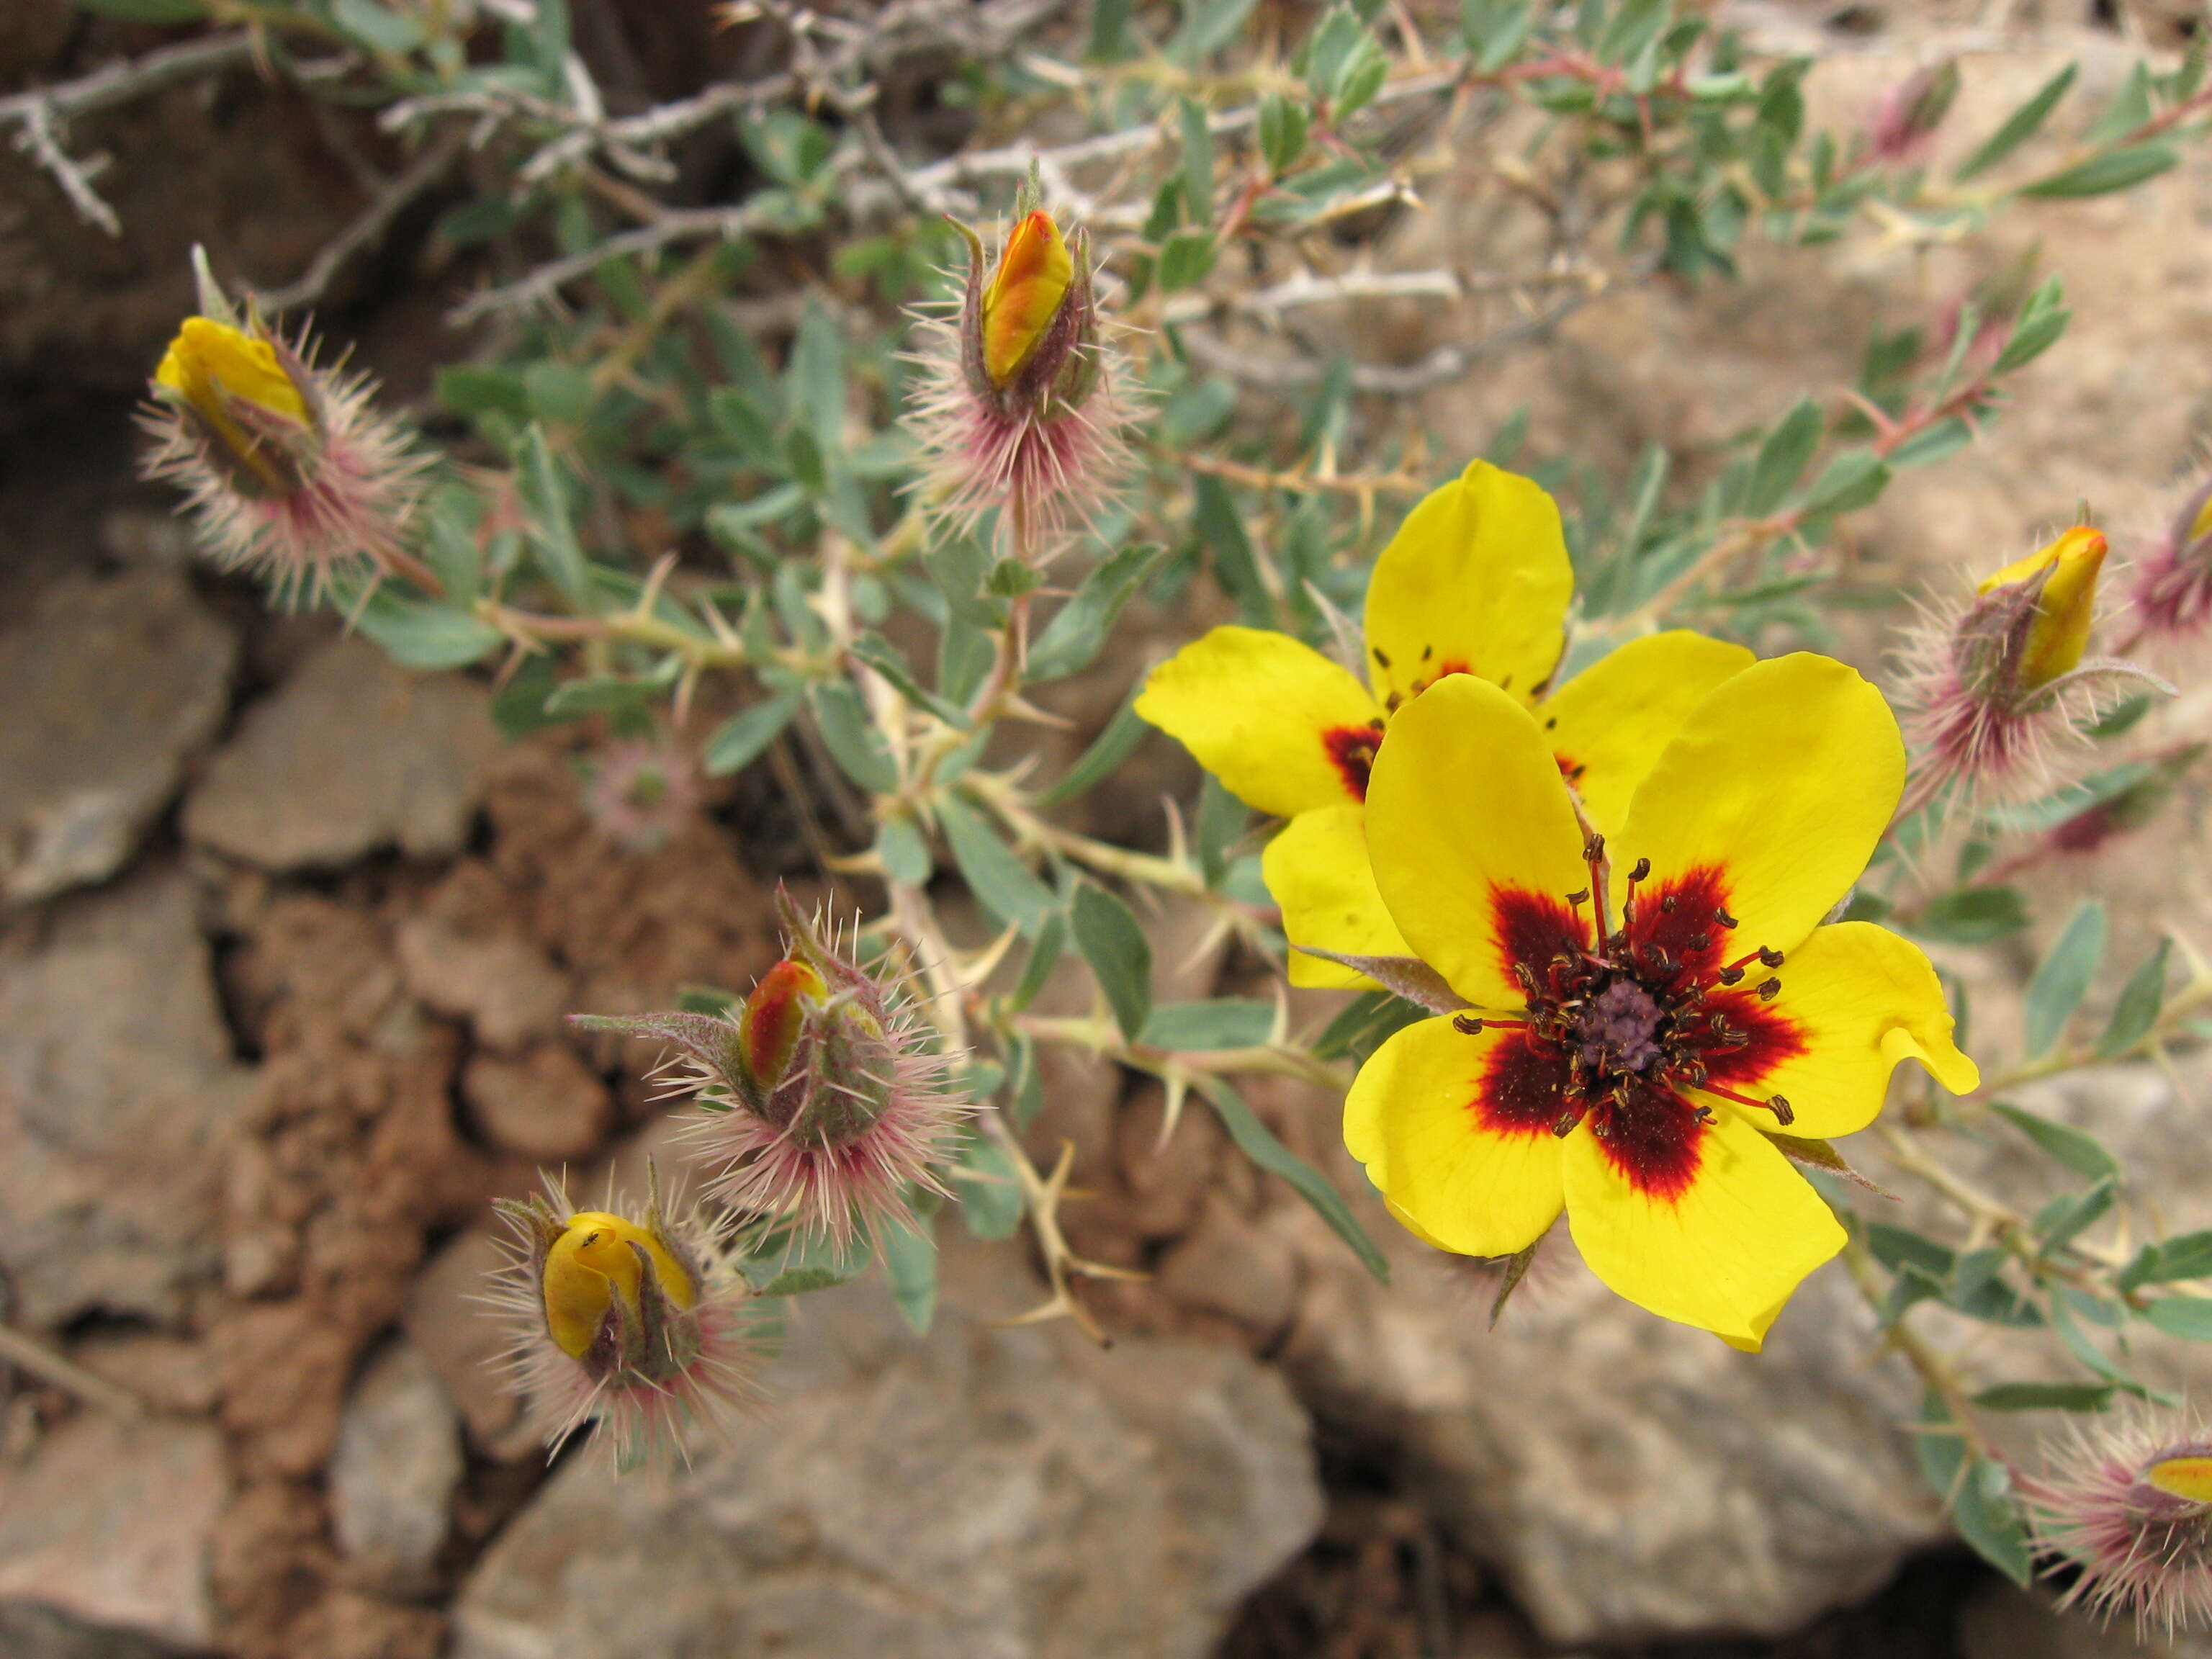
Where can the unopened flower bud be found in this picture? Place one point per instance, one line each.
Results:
(637, 1321)
(1017, 309)
(1904, 125)
(2036, 613)
(1020, 413)
(2169, 590)
(824, 1105)
(288, 469)
(2130, 1505)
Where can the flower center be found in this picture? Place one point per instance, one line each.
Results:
(1635, 1015)
(1351, 751)
(1618, 1029)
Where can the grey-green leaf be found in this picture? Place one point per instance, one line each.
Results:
(1258, 1142)
(2020, 126)
(1001, 881)
(1121, 959)
(2063, 978)
(2081, 1152)
(1071, 640)
(740, 739)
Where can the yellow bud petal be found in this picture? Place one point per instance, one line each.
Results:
(1024, 295)
(2184, 1477)
(2201, 525)
(589, 1264)
(2066, 608)
(221, 372)
(209, 363)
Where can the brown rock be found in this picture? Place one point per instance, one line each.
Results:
(1627, 1476)
(1235, 1266)
(117, 1096)
(89, 754)
(503, 986)
(463, 1344)
(392, 1481)
(350, 755)
(982, 1491)
(544, 1106)
(111, 1522)
(166, 1373)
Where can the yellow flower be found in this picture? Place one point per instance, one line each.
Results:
(1651, 1004)
(237, 384)
(1476, 582)
(600, 1259)
(2061, 578)
(1024, 294)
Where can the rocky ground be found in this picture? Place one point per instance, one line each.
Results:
(285, 936)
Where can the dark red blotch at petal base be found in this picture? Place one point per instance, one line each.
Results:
(1622, 1032)
(1351, 751)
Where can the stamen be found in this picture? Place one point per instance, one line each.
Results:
(1640, 872)
(1565, 1125)
(1770, 958)
(1780, 1108)
(1579, 898)
(1669, 905)
(1729, 976)
(1466, 1024)
(1699, 942)
(1723, 917)
(1769, 989)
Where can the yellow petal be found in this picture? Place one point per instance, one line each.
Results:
(1465, 803)
(1318, 871)
(1858, 999)
(1283, 727)
(1780, 784)
(1608, 723)
(1476, 581)
(210, 362)
(2185, 1477)
(1723, 1253)
(594, 1259)
(1024, 295)
(2066, 609)
(1456, 1139)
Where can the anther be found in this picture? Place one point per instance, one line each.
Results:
(1769, 989)
(1642, 870)
(1729, 976)
(1723, 917)
(1580, 898)
(1564, 1126)
(1702, 1114)
(1667, 905)
(1594, 849)
(1696, 942)
(1466, 1024)
(1780, 1108)
(1770, 958)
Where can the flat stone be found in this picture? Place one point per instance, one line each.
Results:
(109, 1522)
(547, 1105)
(118, 1092)
(462, 1343)
(398, 1461)
(992, 1493)
(1629, 1477)
(90, 753)
(503, 986)
(351, 754)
